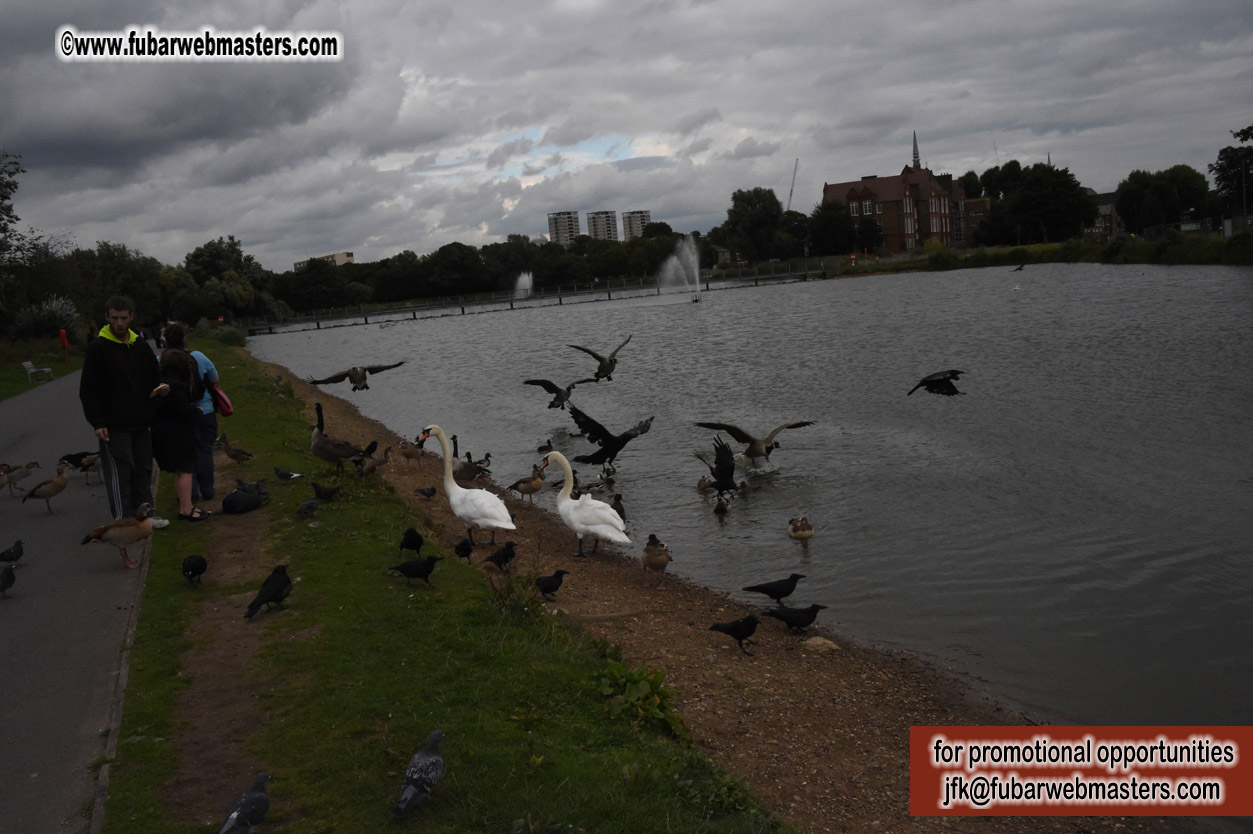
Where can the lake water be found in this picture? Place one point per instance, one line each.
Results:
(1076, 529)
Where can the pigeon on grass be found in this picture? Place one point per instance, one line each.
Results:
(425, 769)
(250, 809)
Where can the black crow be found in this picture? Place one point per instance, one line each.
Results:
(610, 444)
(250, 809)
(417, 568)
(193, 567)
(722, 470)
(759, 448)
(463, 549)
(548, 585)
(7, 578)
(12, 554)
(777, 589)
(411, 539)
(796, 618)
(501, 558)
(425, 492)
(740, 630)
(356, 375)
(325, 493)
(424, 770)
(605, 365)
(940, 382)
(286, 475)
(273, 591)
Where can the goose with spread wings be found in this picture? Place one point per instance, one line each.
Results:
(759, 448)
(606, 364)
(722, 470)
(610, 444)
(561, 396)
(357, 375)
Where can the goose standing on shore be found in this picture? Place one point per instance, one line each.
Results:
(328, 448)
(585, 516)
(477, 509)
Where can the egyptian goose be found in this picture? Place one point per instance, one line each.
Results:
(656, 558)
(800, 528)
(529, 486)
(377, 467)
(410, 452)
(20, 473)
(50, 488)
(124, 532)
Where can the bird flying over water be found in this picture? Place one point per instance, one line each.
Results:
(610, 444)
(357, 375)
(759, 448)
(940, 382)
(425, 769)
(561, 396)
(605, 364)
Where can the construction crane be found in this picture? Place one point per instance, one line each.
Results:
(793, 188)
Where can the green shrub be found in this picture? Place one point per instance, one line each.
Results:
(639, 694)
(54, 313)
(1239, 250)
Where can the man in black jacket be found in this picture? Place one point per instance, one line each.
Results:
(118, 382)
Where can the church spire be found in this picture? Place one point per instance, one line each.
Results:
(917, 160)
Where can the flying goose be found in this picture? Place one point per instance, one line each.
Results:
(606, 364)
(759, 448)
(610, 444)
(356, 375)
(561, 396)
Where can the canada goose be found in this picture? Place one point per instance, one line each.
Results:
(50, 488)
(759, 448)
(610, 444)
(124, 532)
(656, 558)
(476, 508)
(586, 516)
(800, 528)
(467, 471)
(605, 364)
(329, 449)
(545, 447)
(561, 396)
(940, 382)
(356, 375)
(529, 486)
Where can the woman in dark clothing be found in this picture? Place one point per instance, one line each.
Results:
(174, 430)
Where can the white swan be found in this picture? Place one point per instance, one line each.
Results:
(586, 516)
(478, 509)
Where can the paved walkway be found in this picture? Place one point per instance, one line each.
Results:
(63, 626)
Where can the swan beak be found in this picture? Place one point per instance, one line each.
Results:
(544, 464)
(425, 434)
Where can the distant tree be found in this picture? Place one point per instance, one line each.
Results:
(990, 182)
(657, 229)
(10, 241)
(1041, 204)
(1144, 200)
(1233, 172)
(752, 221)
(457, 269)
(792, 237)
(971, 185)
(831, 229)
(869, 235)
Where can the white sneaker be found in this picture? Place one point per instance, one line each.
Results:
(158, 522)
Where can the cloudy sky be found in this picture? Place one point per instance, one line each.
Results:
(473, 120)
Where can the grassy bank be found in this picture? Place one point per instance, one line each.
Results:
(44, 353)
(544, 731)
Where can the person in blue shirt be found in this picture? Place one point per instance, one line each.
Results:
(207, 423)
